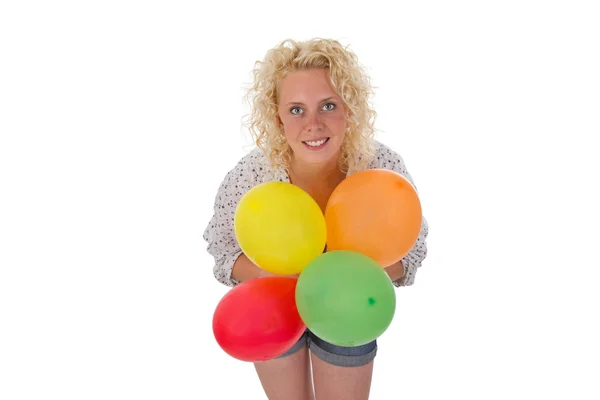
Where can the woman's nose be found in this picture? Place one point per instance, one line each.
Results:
(314, 122)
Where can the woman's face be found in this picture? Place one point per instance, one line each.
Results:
(313, 116)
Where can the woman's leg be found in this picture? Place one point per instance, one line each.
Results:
(287, 377)
(342, 372)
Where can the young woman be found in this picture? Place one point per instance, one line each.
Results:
(313, 127)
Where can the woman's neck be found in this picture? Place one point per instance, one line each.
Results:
(318, 174)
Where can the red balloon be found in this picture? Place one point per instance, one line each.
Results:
(257, 320)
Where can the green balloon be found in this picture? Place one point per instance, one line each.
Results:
(345, 298)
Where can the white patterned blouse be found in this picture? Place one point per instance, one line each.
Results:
(254, 169)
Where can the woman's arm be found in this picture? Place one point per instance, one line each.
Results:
(411, 262)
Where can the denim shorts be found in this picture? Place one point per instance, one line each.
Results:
(333, 354)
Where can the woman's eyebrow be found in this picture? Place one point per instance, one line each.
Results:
(300, 103)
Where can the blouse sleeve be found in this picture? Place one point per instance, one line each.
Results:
(219, 234)
(391, 160)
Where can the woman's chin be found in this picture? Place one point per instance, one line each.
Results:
(316, 158)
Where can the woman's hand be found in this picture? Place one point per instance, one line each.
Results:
(395, 271)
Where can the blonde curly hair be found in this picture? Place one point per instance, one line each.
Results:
(348, 79)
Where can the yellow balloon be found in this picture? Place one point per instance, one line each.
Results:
(280, 227)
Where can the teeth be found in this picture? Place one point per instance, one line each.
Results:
(317, 143)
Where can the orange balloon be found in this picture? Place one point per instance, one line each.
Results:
(376, 212)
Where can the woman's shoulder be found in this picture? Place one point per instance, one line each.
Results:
(250, 170)
(385, 157)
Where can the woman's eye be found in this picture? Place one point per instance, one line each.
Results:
(327, 107)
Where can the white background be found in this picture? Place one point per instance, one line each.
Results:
(118, 120)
